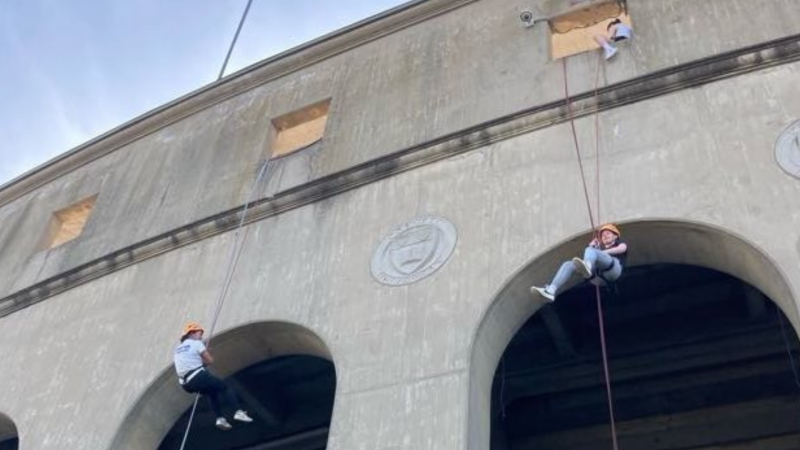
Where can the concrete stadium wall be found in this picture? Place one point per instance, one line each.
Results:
(403, 354)
(458, 68)
(411, 361)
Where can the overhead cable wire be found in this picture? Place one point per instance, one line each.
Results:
(235, 38)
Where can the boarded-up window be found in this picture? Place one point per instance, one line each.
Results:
(299, 129)
(573, 32)
(67, 224)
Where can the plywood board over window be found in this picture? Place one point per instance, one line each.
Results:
(300, 129)
(573, 32)
(67, 224)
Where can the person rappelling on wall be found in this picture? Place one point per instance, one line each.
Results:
(617, 31)
(603, 259)
(191, 358)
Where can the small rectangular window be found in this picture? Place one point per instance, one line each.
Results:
(67, 224)
(573, 32)
(299, 129)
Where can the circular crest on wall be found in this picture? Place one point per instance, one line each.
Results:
(413, 250)
(787, 150)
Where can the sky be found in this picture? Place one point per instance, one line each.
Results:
(71, 70)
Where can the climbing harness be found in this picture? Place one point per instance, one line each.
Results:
(603, 346)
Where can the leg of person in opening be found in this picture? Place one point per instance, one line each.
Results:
(191, 358)
(616, 31)
(203, 385)
(606, 256)
(219, 394)
(549, 291)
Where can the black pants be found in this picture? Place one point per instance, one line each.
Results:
(215, 389)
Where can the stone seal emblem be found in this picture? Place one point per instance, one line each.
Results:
(787, 150)
(413, 251)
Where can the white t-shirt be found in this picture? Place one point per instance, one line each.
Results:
(187, 356)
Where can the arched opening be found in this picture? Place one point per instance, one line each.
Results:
(283, 374)
(9, 439)
(699, 360)
(697, 353)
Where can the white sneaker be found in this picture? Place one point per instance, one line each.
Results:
(583, 268)
(223, 424)
(544, 292)
(242, 416)
(610, 52)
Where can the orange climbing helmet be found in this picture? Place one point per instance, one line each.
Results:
(610, 227)
(191, 327)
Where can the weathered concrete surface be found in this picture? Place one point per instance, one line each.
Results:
(421, 82)
(412, 362)
(511, 202)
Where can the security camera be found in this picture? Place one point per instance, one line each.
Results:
(528, 19)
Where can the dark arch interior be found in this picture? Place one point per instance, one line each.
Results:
(289, 397)
(699, 360)
(8, 434)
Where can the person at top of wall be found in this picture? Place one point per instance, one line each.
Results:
(191, 358)
(617, 31)
(604, 258)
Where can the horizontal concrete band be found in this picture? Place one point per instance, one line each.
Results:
(656, 84)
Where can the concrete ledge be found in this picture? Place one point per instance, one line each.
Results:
(660, 83)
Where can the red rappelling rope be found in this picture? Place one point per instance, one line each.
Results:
(597, 135)
(606, 371)
(577, 146)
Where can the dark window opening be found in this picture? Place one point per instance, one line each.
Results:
(698, 361)
(9, 440)
(290, 399)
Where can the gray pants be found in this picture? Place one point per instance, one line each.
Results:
(602, 263)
